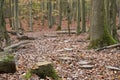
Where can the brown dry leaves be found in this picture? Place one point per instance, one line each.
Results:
(66, 53)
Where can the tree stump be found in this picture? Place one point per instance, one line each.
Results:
(7, 63)
(45, 69)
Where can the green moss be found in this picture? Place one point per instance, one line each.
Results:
(46, 70)
(103, 41)
(28, 75)
(58, 28)
(8, 58)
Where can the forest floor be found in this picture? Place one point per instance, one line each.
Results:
(66, 53)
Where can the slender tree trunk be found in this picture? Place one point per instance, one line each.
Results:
(30, 16)
(10, 15)
(3, 32)
(74, 9)
(78, 17)
(13, 14)
(16, 15)
(113, 9)
(53, 15)
(83, 15)
(1, 21)
(43, 11)
(49, 14)
(118, 9)
(60, 14)
(68, 17)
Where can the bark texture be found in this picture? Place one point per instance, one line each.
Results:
(99, 34)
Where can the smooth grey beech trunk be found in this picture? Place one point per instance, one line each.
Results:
(99, 35)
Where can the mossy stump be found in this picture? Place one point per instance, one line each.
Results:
(7, 64)
(45, 69)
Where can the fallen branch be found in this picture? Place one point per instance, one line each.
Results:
(24, 37)
(108, 47)
(65, 32)
(50, 35)
(20, 31)
(12, 32)
(16, 45)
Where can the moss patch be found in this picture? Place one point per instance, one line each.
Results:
(103, 41)
(58, 28)
(28, 75)
(8, 58)
(46, 70)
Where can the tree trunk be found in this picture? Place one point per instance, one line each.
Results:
(68, 17)
(10, 15)
(74, 9)
(30, 16)
(16, 21)
(118, 9)
(49, 14)
(3, 33)
(99, 35)
(107, 14)
(113, 19)
(78, 17)
(43, 13)
(60, 15)
(83, 15)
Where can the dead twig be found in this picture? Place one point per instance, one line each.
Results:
(109, 47)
